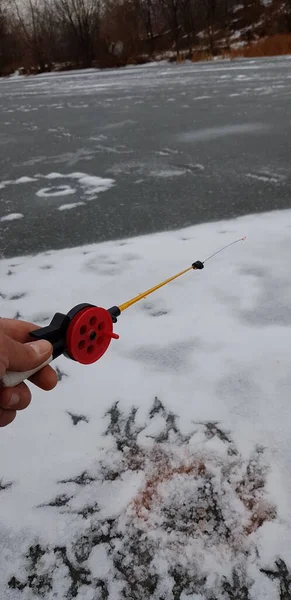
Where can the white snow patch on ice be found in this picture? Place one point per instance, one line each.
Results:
(70, 206)
(91, 185)
(265, 177)
(56, 191)
(3, 184)
(52, 176)
(119, 124)
(24, 180)
(12, 217)
(161, 153)
(211, 133)
(165, 173)
(199, 167)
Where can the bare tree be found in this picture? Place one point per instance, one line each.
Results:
(35, 19)
(210, 17)
(172, 11)
(147, 14)
(42, 34)
(81, 21)
(3, 34)
(190, 21)
(288, 14)
(124, 29)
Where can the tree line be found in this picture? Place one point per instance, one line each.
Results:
(39, 35)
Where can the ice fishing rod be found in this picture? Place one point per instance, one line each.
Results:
(85, 333)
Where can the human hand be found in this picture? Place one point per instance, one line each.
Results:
(19, 353)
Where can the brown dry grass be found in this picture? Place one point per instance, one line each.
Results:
(276, 45)
(203, 55)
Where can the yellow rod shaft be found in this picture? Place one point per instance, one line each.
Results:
(129, 303)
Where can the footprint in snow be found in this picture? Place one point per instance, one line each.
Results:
(153, 309)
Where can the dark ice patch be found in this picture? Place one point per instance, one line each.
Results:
(280, 574)
(213, 430)
(77, 418)
(60, 374)
(5, 485)
(159, 312)
(59, 501)
(17, 316)
(41, 318)
(173, 357)
(255, 271)
(83, 479)
(18, 296)
(40, 584)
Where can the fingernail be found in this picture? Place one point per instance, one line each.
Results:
(41, 347)
(13, 400)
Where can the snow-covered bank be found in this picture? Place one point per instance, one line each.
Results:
(182, 489)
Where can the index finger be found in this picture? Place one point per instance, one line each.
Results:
(18, 330)
(46, 379)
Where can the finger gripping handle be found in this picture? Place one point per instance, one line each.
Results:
(13, 378)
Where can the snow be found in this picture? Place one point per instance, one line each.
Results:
(237, 8)
(62, 190)
(168, 173)
(212, 133)
(12, 217)
(93, 185)
(71, 205)
(24, 179)
(162, 471)
(265, 177)
(90, 186)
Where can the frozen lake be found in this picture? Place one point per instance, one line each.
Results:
(177, 145)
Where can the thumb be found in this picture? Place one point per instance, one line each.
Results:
(25, 357)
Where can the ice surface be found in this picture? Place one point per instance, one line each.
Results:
(164, 470)
(222, 103)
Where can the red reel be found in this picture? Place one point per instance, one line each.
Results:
(89, 335)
